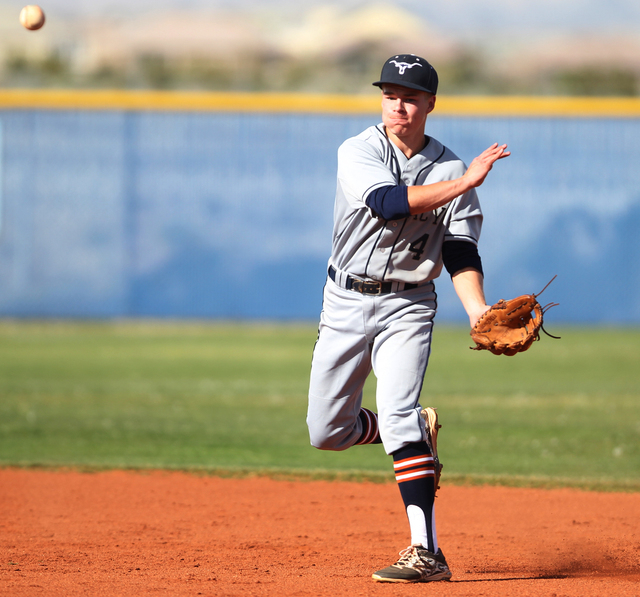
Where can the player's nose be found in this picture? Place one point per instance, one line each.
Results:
(399, 105)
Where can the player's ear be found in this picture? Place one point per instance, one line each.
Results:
(432, 103)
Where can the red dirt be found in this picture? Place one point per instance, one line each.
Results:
(160, 533)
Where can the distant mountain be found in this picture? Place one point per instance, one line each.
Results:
(458, 17)
(485, 46)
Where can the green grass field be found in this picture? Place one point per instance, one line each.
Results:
(232, 398)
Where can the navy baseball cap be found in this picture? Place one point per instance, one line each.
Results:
(409, 71)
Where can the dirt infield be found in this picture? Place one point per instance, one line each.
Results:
(158, 533)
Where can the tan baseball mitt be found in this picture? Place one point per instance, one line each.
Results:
(512, 326)
(430, 416)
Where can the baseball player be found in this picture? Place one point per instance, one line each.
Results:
(405, 206)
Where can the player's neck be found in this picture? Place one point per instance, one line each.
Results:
(409, 145)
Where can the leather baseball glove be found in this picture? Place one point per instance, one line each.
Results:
(430, 416)
(512, 326)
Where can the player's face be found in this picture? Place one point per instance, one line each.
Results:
(404, 110)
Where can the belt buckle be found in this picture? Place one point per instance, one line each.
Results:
(367, 286)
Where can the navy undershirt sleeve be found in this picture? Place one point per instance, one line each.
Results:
(389, 203)
(392, 203)
(459, 254)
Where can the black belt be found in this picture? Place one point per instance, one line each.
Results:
(370, 286)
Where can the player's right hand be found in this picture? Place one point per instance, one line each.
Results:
(481, 165)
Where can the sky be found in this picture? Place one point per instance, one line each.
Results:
(459, 18)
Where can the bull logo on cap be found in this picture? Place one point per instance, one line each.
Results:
(403, 66)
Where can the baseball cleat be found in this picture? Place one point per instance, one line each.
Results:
(416, 564)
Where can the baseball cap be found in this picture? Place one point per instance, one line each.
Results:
(410, 71)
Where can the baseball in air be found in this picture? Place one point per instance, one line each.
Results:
(32, 17)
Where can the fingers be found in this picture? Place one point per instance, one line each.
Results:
(493, 154)
(503, 153)
(500, 151)
(482, 165)
(497, 150)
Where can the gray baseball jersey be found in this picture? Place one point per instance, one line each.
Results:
(407, 250)
(389, 333)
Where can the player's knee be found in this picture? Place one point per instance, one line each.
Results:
(319, 440)
(324, 438)
(331, 425)
(329, 445)
(323, 444)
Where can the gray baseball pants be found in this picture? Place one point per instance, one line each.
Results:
(389, 334)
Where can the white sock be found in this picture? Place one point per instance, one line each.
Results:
(418, 526)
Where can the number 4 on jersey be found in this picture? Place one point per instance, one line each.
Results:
(417, 246)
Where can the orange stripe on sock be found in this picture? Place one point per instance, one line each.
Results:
(414, 475)
(372, 427)
(409, 462)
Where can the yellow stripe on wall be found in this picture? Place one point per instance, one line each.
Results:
(184, 100)
(587, 107)
(607, 107)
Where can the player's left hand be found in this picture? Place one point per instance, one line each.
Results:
(511, 326)
(476, 314)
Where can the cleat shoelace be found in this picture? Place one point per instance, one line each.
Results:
(410, 557)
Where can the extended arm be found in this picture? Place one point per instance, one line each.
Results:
(429, 197)
(469, 287)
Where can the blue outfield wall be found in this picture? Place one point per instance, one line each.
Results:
(117, 213)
